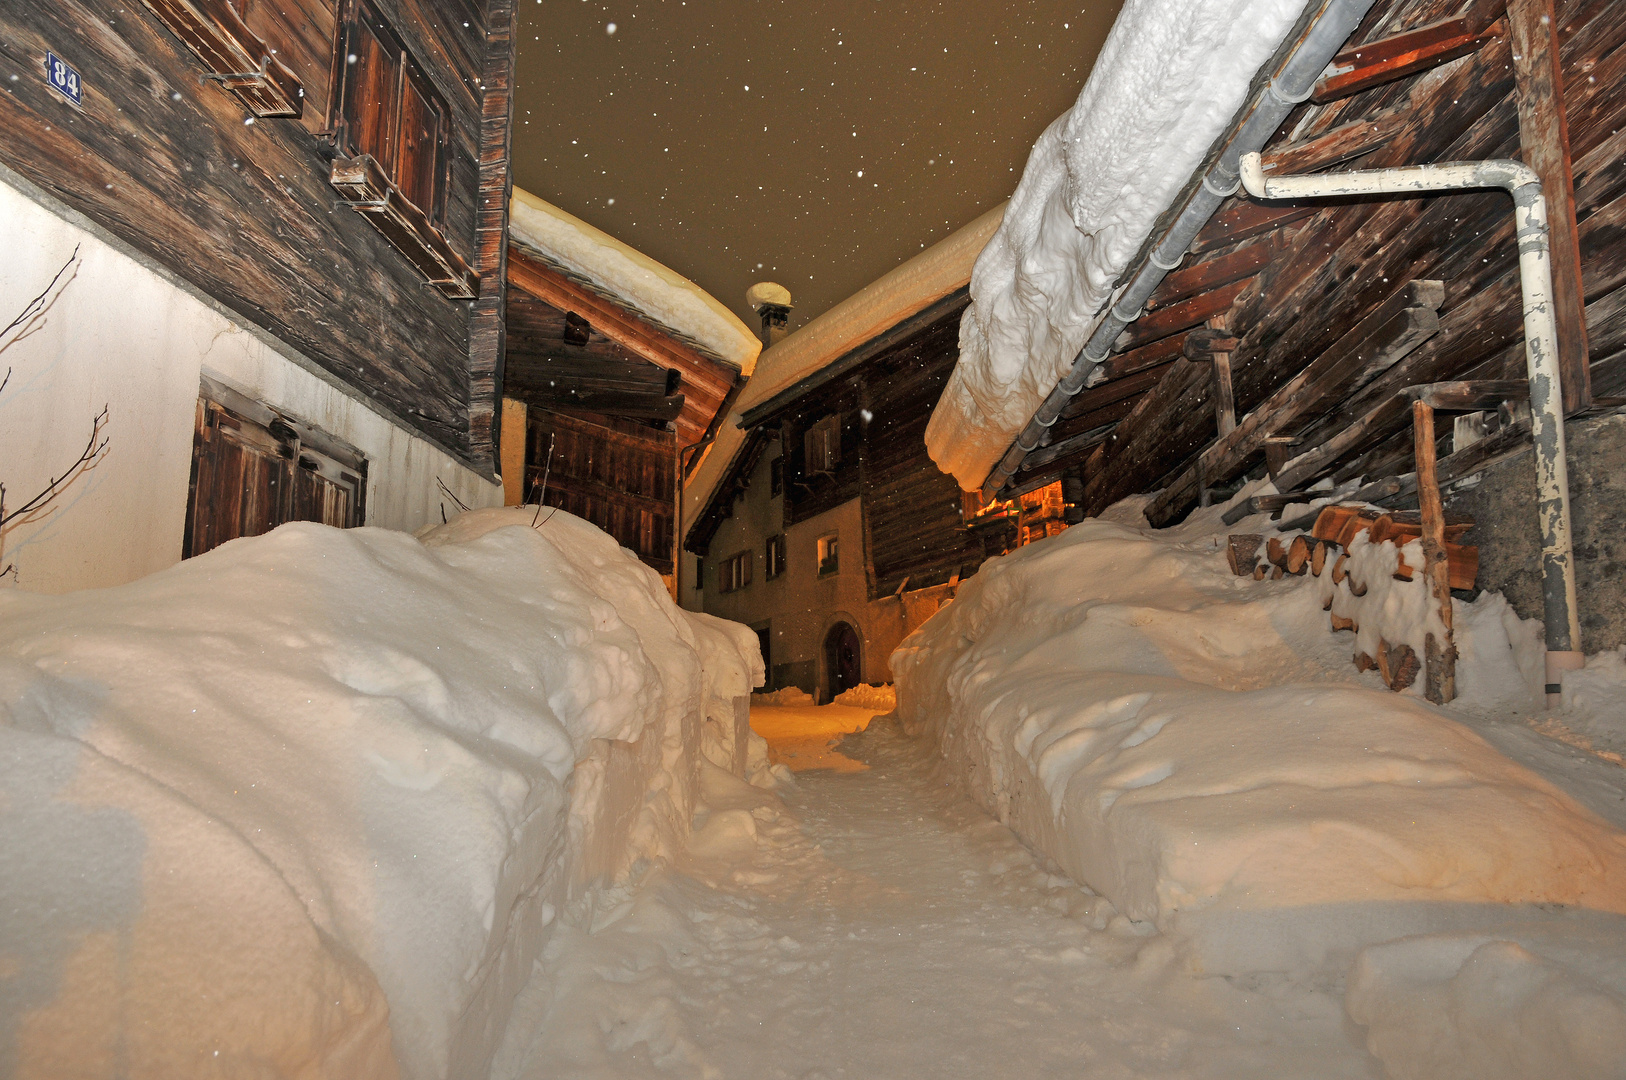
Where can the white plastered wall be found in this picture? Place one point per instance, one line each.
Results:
(119, 332)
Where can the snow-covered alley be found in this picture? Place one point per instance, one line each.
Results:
(876, 924)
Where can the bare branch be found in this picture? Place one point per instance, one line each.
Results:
(95, 449)
(450, 494)
(37, 305)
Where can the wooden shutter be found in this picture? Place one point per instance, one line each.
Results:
(420, 145)
(370, 73)
(253, 470)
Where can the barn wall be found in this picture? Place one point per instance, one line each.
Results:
(122, 333)
(243, 207)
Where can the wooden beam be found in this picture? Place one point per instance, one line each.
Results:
(1182, 316)
(1212, 273)
(1343, 143)
(1544, 143)
(1361, 67)
(1384, 336)
(1156, 354)
(488, 315)
(1246, 218)
(624, 403)
(1440, 657)
(1469, 396)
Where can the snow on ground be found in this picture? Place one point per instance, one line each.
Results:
(1199, 749)
(662, 295)
(307, 804)
(905, 290)
(1168, 80)
(879, 924)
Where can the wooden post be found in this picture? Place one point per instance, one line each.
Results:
(1544, 143)
(1440, 667)
(1224, 399)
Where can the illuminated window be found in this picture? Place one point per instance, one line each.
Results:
(829, 555)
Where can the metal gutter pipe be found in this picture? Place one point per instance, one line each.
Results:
(1563, 628)
(1292, 85)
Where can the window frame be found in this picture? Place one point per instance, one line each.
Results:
(734, 572)
(821, 447)
(773, 556)
(828, 554)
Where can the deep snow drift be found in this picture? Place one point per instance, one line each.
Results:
(1197, 747)
(307, 804)
(1169, 78)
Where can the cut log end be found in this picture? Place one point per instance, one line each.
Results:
(1339, 622)
(1242, 552)
(1298, 555)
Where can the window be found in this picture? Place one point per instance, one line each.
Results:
(392, 128)
(821, 445)
(237, 57)
(734, 572)
(829, 561)
(775, 556)
(776, 477)
(699, 573)
(253, 469)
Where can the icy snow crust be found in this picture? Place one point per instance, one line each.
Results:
(1170, 77)
(644, 285)
(306, 805)
(1197, 748)
(891, 298)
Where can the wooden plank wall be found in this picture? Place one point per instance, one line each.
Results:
(245, 211)
(487, 336)
(1316, 270)
(617, 474)
(912, 512)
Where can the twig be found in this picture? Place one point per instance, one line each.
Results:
(37, 305)
(95, 449)
(547, 467)
(461, 506)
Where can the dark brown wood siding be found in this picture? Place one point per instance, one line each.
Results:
(616, 474)
(245, 210)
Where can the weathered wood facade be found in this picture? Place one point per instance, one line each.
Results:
(231, 179)
(612, 399)
(878, 401)
(1309, 317)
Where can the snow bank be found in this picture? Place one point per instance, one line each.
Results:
(903, 291)
(1198, 748)
(787, 695)
(1170, 77)
(306, 805)
(661, 295)
(864, 696)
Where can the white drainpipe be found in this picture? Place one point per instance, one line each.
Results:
(1540, 350)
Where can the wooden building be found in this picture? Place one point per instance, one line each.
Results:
(1294, 336)
(617, 369)
(273, 218)
(830, 532)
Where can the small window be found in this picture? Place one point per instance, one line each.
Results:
(734, 572)
(775, 556)
(391, 128)
(776, 477)
(821, 444)
(699, 573)
(829, 555)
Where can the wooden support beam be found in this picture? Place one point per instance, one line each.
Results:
(1343, 143)
(1156, 354)
(1361, 67)
(1544, 143)
(1391, 331)
(1212, 273)
(1463, 397)
(1439, 657)
(625, 403)
(1244, 219)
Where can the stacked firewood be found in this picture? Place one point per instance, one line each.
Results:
(1325, 549)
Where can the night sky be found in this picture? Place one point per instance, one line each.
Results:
(825, 142)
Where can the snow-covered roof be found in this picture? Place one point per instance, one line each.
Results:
(1171, 76)
(631, 278)
(871, 311)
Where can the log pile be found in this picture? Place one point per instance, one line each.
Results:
(1325, 551)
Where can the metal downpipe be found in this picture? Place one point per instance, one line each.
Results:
(1563, 628)
(1291, 85)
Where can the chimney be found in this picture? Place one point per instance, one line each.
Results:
(772, 304)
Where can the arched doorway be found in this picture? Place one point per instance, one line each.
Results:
(842, 659)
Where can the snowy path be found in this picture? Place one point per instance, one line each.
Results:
(879, 926)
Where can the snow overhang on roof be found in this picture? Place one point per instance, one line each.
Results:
(1171, 79)
(631, 279)
(872, 311)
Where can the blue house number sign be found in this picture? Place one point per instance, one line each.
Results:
(63, 79)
